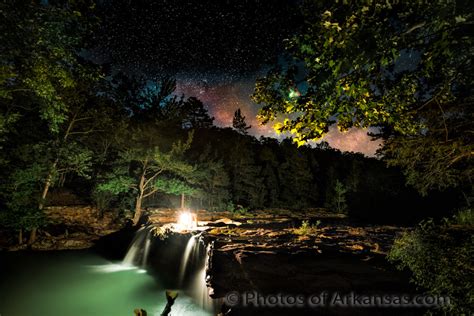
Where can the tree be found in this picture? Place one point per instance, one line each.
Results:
(246, 184)
(239, 124)
(152, 99)
(39, 59)
(296, 181)
(405, 67)
(440, 257)
(337, 198)
(42, 88)
(195, 115)
(21, 193)
(214, 180)
(176, 186)
(146, 170)
(8, 117)
(269, 172)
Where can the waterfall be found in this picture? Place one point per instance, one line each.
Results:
(192, 268)
(137, 254)
(199, 290)
(195, 259)
(190, 247)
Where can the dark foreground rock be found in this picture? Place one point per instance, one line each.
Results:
(278, 270)
(267, 262)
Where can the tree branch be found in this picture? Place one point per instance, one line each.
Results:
(87, 132)
(153, 177)
(414, 27)
(150, 193)
(467, 154)
(444, 120)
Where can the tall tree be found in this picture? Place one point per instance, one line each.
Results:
(296, 180)
(145, 170)
(214, 180)
(246, 184)
(269, 173)
(195, 115)
(239, 124)
(405, 66)
(337, 198)
(43, 87)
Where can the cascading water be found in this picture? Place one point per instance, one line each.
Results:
(137, 254)
(193, 298)
(192, 268)
(199, 290)
(195, 258)
(190, 247)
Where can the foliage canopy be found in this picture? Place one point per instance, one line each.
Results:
(402, 67)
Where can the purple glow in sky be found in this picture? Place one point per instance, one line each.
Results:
(222, 98)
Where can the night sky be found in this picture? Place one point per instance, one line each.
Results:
(215, 50)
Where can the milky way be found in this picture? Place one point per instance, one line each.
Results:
(215, 50)
(223, 98)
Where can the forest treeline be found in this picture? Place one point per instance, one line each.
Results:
(126, 141)
(133, 140)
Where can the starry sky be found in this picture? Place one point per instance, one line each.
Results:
(214, 49)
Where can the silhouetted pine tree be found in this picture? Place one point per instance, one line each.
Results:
(239, 124)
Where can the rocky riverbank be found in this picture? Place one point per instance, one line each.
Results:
(295, 252)
(69, 227)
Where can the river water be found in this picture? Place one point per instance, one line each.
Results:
(80, 283)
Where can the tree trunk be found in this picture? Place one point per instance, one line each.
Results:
(44, 194)
(47, 184)
(49, 179)
(32, 236)
(141, 188)
(182, 201)
(138, 210)
(20, 236)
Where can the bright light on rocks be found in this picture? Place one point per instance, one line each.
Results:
(187, 221)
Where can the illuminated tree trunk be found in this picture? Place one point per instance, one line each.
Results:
(49, 180)
(44, 194)
(20, 236)
(141, 189)
(182, 201)
(47, 185)
(32, 238)
(138, 210)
